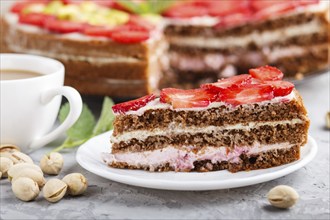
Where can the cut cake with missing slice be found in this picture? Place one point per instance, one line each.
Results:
(246, 122)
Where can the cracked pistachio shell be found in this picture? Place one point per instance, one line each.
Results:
(5, 165)
(32, 174)
(52, 164)
(25, 189)
(54, 190)
(9, 148)
(14, 170)
(17, 157)
(282, 196)
(0, 174)
(77, 183)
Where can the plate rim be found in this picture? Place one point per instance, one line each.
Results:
(196, 185)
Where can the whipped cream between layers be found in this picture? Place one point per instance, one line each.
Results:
(156, 104)
(183, 159)
(174, 129)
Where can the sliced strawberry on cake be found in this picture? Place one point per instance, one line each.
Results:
(133, 105)
(180, 98)
(63, 26)
(266, 73)
(235, 81)
(247, 94)
(281, 88)
(37, 19)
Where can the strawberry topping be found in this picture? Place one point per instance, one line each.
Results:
(19, 6)
(62, 26)
(281, 88)
(37, 19)
(179, 98)
(140, 22)
(223, 8)
(246, 94)
(133, 105)
(266, 73)
(234, 20)
(129, 34)
(186, 10)
(98, 31)
(235, 81)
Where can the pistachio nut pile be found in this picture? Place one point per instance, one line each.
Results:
(28, 178)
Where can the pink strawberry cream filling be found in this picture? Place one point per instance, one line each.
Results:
(183, 158)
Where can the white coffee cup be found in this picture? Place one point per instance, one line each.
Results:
(29, 106)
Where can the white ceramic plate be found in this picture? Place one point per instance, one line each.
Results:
(89, 157)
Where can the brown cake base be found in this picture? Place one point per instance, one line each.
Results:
(262, 160)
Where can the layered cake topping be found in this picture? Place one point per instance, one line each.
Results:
(92, 18)
(260, 85)
(233, 14)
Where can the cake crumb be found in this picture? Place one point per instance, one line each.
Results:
(327, 117)
(299, 76)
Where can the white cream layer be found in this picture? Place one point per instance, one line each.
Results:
(156, 104)
(258, 38)
(184, 158)
(175, 129)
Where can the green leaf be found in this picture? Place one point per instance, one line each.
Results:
(83, 127)
(106, 118)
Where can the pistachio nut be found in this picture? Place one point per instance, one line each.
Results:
(17, 157)
(9, 148)
(54, 190)
(14, 170)
(282, 196)
(25, 189)
(32, 174)
(5, 165)
(77, 183)
(52, 164)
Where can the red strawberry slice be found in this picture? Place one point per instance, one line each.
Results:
(272, 7)
(179, 98)
(281, 88)
(235, 81)
(247, 94)
(133, 105)
(19, 6)
(129, 34)
(37, 19)
(140, 23)
(258, 5)
(266, 73)
(306, 2)
(227, 7)
(98, 31)
(234, 20)
(185, 10)
(62, 26)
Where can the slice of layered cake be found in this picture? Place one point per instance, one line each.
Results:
(246, 122)
(214, 39)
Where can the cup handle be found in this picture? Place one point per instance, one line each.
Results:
(75, 102)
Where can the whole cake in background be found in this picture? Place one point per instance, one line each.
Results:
(117, 48)
(246, 122)
(215, 39)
